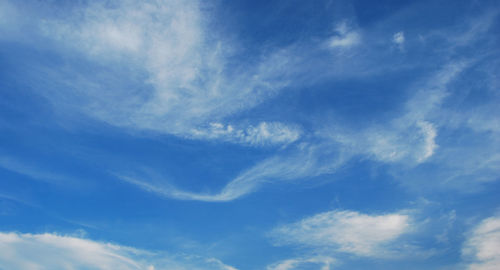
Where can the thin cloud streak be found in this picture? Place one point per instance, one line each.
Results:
(320, 262)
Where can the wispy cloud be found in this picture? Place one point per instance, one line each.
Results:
(404, 142)
(347, 232)
(300, 162)
(187, 86)
(34, 172)
(399, 38)
(482, 247)
(322, 263)
(265, 133)
(344, 37)
(179, 79)
(52, 251)
(408, 139)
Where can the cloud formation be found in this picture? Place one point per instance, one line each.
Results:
(344, 37)
(346, 232)
(398, 38)
(175, 76)
(264, 133)
(52, 251)
(322, 263)
(482, 246)
(187, 86)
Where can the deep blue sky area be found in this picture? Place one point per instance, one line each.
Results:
(223, 135)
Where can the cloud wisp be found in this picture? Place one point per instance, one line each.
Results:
(482, 247)
(301, 162)
(175, 75)
(347, 232)
(319, 262)
(52, 251)
(344, 37)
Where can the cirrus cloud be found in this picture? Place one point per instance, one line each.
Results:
(53, 251)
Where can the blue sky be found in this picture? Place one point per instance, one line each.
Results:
(249, 135)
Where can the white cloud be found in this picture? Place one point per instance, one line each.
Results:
(265, 133)
(322, 263)
(166, 71)
(190, 90)
(407, 139)
(409, 143)
(482, 247)
(410, 137)
(346, 40)
(429, 135)
(399, 38)
(347, 232)
(300, 162)
(51, 251)
(345, 37)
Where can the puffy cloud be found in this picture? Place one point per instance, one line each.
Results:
(52, 251)
(347, 232)
(482, 246)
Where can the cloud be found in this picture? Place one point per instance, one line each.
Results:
(52, 251)
(265, 133)
(165, 70)
(300, 162)
(188, 86)
(404, 142)
(482, 246)
(408, 138)
(344, 37)
(407, 143)
(399, 38)
(34, 172)
(346, 232)
(322, 263)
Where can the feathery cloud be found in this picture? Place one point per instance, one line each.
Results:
(52, 251)
(482, 246)
(346, 232)
(165, 71)
(319, 262)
